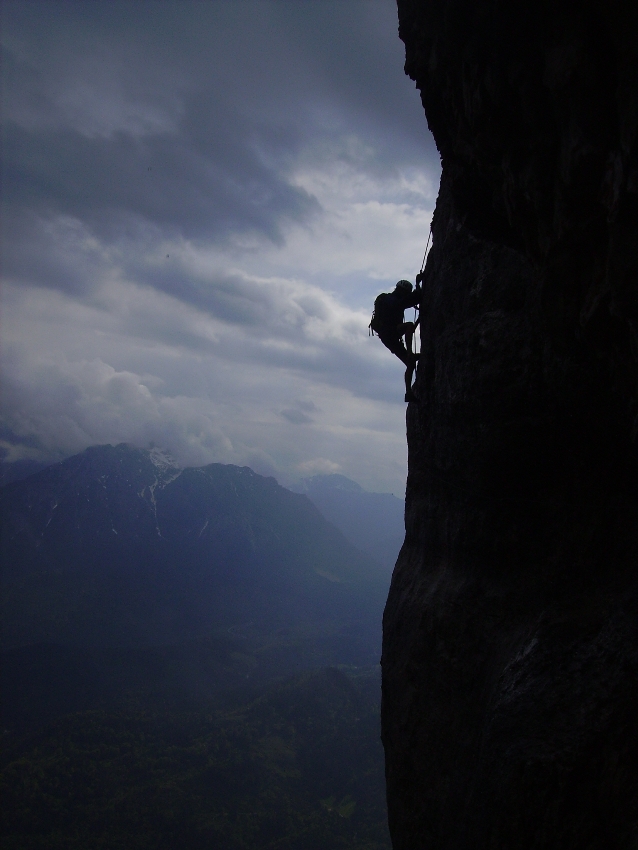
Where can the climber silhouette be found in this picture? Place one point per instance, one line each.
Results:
(389, 325)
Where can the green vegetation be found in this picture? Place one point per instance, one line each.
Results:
(299, 767)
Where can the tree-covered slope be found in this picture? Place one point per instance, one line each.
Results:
(298, 768)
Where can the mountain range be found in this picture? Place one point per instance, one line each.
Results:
(189, 655)
(373, 522)
(117, 546)
(123, 573)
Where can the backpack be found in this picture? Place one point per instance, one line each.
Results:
(379, 320)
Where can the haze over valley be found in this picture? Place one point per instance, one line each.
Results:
(202, 450)
(140, 598)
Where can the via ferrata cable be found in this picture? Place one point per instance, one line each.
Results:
(426, 249)
(425, 255)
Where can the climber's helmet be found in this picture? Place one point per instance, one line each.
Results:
(404, 285)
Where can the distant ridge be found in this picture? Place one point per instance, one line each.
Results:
(165, 631)
(373, 522)
(118, 546)
(19, 469)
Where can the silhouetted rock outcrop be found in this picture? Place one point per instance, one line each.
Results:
(510, 660)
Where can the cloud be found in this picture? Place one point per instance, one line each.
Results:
(199, 408)
(297, 417)
(318, 465)
(194, 138)
(201, 202)
(298, 412)
(188, 190)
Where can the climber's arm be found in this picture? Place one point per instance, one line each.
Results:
(416, 295)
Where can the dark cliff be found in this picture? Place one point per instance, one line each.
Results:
(510, 658)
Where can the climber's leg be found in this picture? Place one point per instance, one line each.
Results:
(409, 372)
(407, 330)
(396, 346)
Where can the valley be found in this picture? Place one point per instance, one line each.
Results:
(185, 650)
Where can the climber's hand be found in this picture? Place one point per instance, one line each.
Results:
(419, 278)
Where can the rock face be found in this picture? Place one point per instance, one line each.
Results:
(510, 656)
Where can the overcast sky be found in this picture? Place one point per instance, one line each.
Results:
(201, 202)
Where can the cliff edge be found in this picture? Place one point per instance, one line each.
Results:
(510, 655)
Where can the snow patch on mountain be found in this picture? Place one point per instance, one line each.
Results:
(163, 460)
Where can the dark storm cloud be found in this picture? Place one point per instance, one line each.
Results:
(195, 187)
(233, 137)
(184, 116)
(297, 417)
(351, 56)
(49, 252)
(231, 298)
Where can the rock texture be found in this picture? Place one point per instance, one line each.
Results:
(510, 658)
